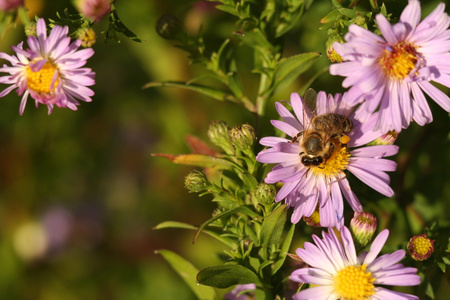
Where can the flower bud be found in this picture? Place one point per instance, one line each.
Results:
(314, 219)
(242, 137)
(360, 20)
(332, 55)
(218, 133)
(265, 193)
(168, 27)
(420, 247)
(363, 226)
(93, 10)
(30, 29)
(388, 138)
(196, 182)
(87, 36)
(10, 5)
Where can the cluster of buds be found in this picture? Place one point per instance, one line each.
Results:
(242, 137)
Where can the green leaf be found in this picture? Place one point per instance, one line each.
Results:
(227, 275)
(442, 266)
(246, 210)
(205, 90)
(188, 273)
(290, 68)
(272, 227)
(116, 25)
(173, 224)
(429, 291)
(348, 12)
(291, 16)
(284, 249)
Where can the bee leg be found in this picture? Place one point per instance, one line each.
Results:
(296, 137)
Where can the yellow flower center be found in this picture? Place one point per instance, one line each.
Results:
(41, 81)
(333, 166)
(422, 245)
(398, 61)
(354, 283)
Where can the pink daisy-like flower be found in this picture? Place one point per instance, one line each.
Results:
(337, 272)
(50, 71)
(391, 72)
(312, 182)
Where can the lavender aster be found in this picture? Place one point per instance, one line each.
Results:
(50, 71)
(306, 186)
(393, 71)
(337, 272)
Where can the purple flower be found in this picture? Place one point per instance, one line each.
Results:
(239, 292)
(391, 72)
(307, 186)
(50, 71)
(337, 272)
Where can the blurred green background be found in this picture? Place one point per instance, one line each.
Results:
(80, 191)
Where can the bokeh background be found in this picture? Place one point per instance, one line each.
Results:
(80, 192)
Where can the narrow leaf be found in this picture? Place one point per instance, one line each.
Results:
(205, 90)
(290, 68)
(273, 225)
(199, 160)
(188, 273)
(198, 146)
(227, 275)
(284, 249)
(240, 209)
(173, 224)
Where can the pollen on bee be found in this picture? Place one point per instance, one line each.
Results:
(344, 139)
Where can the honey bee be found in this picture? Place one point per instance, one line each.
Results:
(325, 134)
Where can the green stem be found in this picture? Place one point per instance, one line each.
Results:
(22, 11)
(374, 5)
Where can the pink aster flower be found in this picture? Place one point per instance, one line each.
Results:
(393, 71)
(240, 292)
(337, 272)
(320, 181)
(50, 71)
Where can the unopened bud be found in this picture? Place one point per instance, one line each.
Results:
(218, 134)
(265, 193)
(420, 247)
(332, 55)
(360, 20)
(363, 226)
(168, 27)
(87, 36)
(10, 5)
(242, 137)
(388, 138)
(196, 182)
(93, 10)
(30, 29)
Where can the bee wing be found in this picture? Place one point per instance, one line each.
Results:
(310, 99)
(309, 106)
